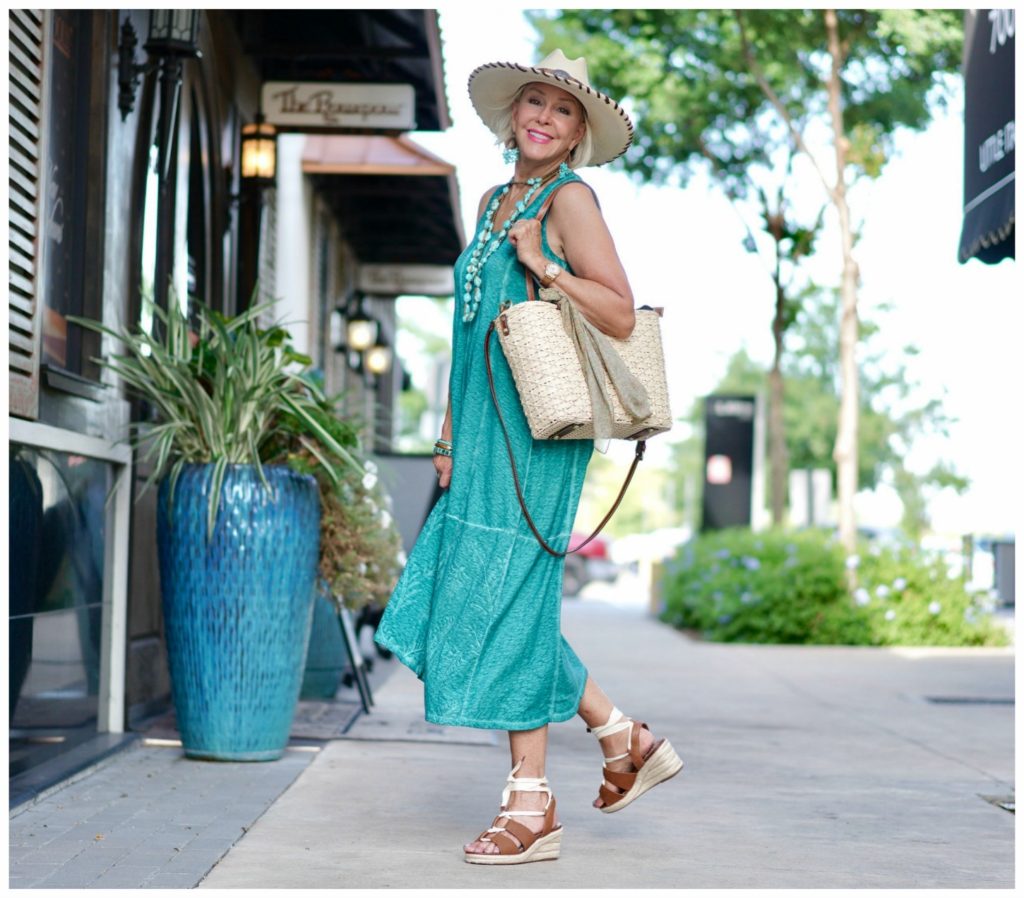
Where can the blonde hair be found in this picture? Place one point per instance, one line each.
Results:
(581, 154)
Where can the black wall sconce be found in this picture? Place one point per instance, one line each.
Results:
(259, 153)
(173, 37)
(357, 335)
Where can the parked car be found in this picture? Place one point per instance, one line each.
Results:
(592, 562)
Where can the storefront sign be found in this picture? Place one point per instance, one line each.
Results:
(412, 280)
(990, 136)
(339, 107)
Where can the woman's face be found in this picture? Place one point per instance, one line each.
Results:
(547, 122)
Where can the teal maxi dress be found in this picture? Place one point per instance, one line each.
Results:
(476, 612)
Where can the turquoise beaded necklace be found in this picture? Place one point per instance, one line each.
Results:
(489, 242)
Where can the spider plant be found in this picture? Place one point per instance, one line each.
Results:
(228, 394)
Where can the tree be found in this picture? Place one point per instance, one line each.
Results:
(792, 243)
(731, 89)
(892, 417)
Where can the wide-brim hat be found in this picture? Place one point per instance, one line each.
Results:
(492, 87)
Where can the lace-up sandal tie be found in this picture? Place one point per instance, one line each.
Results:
(658, 764)
(517, 844)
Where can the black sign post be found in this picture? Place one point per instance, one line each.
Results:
(731, 462)
(989, 136)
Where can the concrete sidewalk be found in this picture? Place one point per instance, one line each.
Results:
(806, 767)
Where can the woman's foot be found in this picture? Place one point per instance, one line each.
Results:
(634, 761)
(615, 745)
(519, 801)
(526, 828)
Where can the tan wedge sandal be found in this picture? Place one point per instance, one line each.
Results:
(531, 846)
(659, 763)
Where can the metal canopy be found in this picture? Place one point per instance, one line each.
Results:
(373, 46)
(989, 137)
(395, 202)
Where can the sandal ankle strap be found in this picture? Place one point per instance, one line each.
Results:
(524, 784)
(616, 723)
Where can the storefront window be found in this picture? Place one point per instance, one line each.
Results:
(56, 507)
(424, 328)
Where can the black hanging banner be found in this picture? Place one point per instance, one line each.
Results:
(989, 136)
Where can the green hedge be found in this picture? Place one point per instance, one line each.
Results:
(794, 587)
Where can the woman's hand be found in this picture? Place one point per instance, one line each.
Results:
(443, 466)
(524, 235)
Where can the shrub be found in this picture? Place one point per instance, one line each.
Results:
(793, 587)
(912, 599)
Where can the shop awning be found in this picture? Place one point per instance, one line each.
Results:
(989, 136)
(397, 203)
(351, 46)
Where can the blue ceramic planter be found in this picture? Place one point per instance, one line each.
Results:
(326, 657)
(238, 608)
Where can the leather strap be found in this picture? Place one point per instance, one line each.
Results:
(641, 447)
(548, 200)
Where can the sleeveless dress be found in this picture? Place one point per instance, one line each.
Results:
(476, 612)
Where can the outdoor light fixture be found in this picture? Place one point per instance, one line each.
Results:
(337, 325)
(378, 359)
(173, 37)
(362, 329)
(259, 152)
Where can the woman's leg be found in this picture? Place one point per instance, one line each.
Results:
(595, 709)
(530, 747)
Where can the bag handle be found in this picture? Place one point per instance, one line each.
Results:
(641, 446)
(548, 200)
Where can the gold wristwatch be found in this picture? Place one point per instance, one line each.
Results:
(551, 271)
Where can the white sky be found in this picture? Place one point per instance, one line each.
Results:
(683, 249)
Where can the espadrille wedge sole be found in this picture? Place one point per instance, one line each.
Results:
(546, 848)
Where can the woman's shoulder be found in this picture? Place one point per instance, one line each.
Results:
(575, 196)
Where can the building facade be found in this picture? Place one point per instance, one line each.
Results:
(127, 190)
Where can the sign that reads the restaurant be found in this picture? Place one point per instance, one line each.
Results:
(339, 107)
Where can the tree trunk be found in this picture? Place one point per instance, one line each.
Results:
(845, 452)
(776, 424)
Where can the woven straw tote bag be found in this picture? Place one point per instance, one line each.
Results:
(550, 381)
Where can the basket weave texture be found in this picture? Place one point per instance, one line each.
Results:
(550, 382)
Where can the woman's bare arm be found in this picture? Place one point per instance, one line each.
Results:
(577, 232)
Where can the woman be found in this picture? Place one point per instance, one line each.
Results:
(476, 612)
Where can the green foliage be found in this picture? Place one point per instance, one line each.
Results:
(690, 77)
(735, 586)
(229, 394)
(909, 598)
(785, 587)
(360, 547)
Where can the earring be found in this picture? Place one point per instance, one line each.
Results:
(563, 170)
(510, 155)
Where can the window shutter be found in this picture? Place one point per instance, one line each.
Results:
(25, 215)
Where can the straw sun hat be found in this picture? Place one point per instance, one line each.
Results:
(492, 87)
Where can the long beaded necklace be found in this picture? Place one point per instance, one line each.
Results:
(489, 242)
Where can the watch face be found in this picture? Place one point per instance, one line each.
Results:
(552, 270)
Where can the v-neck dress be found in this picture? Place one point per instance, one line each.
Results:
(476, 612)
